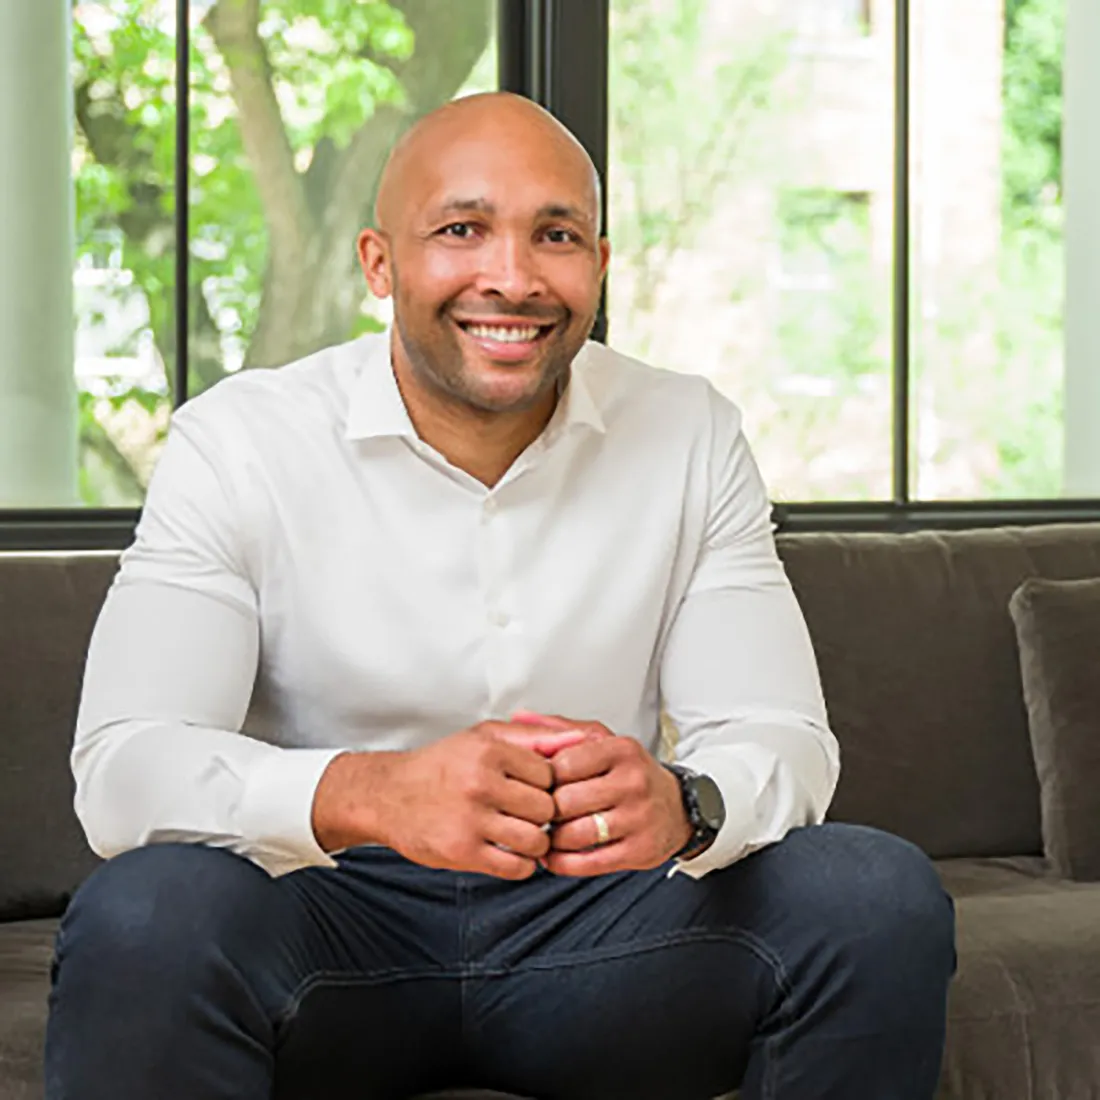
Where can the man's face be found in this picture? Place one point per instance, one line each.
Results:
(495, 268)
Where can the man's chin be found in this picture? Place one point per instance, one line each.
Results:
(512, 387)
(501, 400)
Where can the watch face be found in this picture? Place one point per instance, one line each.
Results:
(709, 800)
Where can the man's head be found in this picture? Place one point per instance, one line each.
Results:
(487, 236)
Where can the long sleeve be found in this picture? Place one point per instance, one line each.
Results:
(158, 754)
(739, 680)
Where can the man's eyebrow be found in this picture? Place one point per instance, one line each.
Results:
(460, 205)
(564, 210)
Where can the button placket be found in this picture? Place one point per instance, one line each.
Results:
(493, 542)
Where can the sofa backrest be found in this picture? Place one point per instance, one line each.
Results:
(48, 605)
(920, 668)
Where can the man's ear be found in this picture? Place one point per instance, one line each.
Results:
(605, 256)
(374, 258)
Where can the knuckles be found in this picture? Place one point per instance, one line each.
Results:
(548, 808)
(635, 780)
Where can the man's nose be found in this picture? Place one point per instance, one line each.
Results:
(511, 269)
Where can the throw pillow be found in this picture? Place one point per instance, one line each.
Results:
(1058, 631)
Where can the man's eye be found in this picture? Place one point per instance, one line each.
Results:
(561, 236)
(461, 231)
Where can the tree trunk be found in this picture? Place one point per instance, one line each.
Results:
(312, 286)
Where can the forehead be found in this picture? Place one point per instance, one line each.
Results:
(516, 177)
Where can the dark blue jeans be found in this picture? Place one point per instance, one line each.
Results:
(814, 970)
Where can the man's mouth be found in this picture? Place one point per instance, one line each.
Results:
(507, 334)
(507, 341)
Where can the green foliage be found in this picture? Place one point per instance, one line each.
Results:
(1029, 420)
(329, 61)
(680, 130)
(1034, 48)
(833, 326)
(123, 75)
(331, 66)
(329, 75)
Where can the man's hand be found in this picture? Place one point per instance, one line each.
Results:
(457, 803)
(639, 799)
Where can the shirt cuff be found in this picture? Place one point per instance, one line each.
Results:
(276, 812)
(735, 782)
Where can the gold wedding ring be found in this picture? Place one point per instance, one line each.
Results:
(603, 833)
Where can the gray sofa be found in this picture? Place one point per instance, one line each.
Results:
(919, 659)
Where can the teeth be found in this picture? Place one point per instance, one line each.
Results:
(504, 334)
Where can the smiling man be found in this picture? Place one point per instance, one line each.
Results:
(371, 715)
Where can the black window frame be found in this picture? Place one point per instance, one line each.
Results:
(556, 52)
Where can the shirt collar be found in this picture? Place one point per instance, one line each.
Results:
(577, 406)
(376, 409)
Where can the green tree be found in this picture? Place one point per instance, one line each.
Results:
(677, 140)
(1029, 423)
(709, 107)
(1034, 45)
(294, 105)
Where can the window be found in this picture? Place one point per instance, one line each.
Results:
(275, 213)
(274, 203)
(850, 393)
(750, 214)
(870, 222)
(123, 174)
(826, 327)
(988, 253)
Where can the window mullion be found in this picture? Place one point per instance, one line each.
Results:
(182, 211)
(902, 374)
(573, 44)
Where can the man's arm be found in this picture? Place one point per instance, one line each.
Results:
(158, 753)
(738, 677)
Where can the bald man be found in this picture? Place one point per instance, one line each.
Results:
(370, 723)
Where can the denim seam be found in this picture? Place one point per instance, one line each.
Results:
(626, 951)
(328, 979)
(463, 907)
(744, 939)
(771, 1045)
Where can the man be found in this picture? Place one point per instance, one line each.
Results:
(371, 715)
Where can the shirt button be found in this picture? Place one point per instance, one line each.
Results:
(490, 505)
(499, 619)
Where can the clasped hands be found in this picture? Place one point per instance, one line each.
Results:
(503, 798)
(595, 771)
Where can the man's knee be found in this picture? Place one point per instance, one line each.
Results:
(876, 892)
(164, 907)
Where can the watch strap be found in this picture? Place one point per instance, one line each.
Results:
(703, 834)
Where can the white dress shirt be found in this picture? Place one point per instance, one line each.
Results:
(308, 577)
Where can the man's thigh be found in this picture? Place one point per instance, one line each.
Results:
(635, 985)
(375, 1008)
(646, 987)
(186, 971)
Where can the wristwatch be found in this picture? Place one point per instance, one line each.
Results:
(706, 812)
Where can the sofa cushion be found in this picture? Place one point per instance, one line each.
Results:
(48, 605)
(26, 948)
(1024, 1009)
(1058, 627)
(918, 660)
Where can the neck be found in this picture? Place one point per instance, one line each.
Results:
(483, 444)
